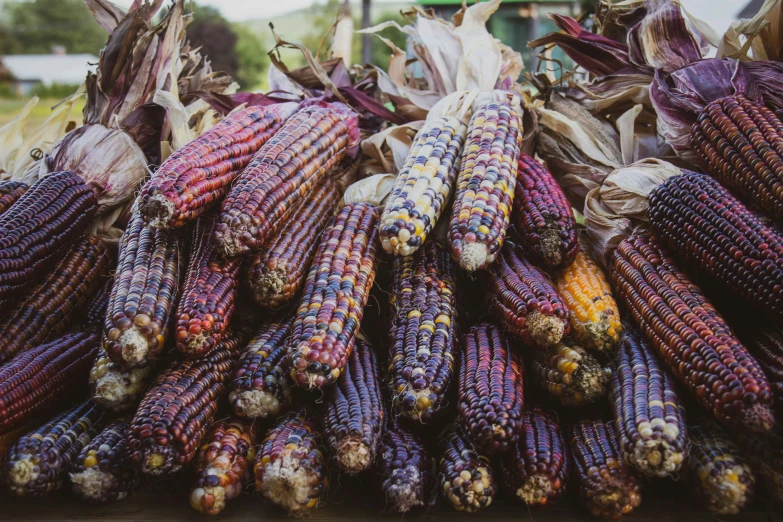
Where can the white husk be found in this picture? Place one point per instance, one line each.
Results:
(386, 151)
(374, 190)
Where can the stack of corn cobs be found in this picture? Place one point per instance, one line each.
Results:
(224, 339)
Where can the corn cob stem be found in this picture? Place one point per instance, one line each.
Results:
(115, 387)
(568, 372)
(10, 192)
(465, 476)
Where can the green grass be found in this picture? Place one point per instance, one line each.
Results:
(10, 107)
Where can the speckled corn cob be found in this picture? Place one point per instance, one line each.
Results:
(115, 387)
(650, 419)
(9, 438)
(465, 476)
(765, 454)
(536, 469)
(39, 462)
(39, 228)
(260, 387)
(607, 487)
(716, 471)
(485, 186)
(595, 318)
(567, 372)
(423, 332)
(99, 474)
(423, 186)
(738, 142)
(710, 229)
(97, 306)
(526, 301)
(490, 390)
(276, 274)
(199, 175)
(40, 379)
(10, 192)
(353, 421)
(692, 340)
(208, 295)
(290, 469)
(179, 407)
(765, 342)
(142, 300)
(335, 294)
(544, 218)
(284, 171)
(223, 465)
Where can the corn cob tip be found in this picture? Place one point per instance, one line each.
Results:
(159, 460)
(92, 484)
(353, 455)
(255, 403)
(287, 484)
(110, 389)
(656, 458)
(725, 492)
(535, 491)
(215, 498)
(474, 256)
(269, 285)
(135, 346)
(759, 418)
(415, 404)
(158, 211)
(402, 489)
(23, 472)
(546, 330)
(551, 248)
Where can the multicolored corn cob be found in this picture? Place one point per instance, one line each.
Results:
(716, 471)
(98, 305)
(491, 389)
(607, 487)
(335, 294)
(208, 295)
(308, 146)
(145, 289)
(9, 438)
(10, 192)
(738, 142)
(568, 372)
(51, 305)
(291, 469)
(178, 409)
(38, 229)
(423, 186)
(544, 218)
(38, 380)
(465, 476)
(115, 387)
(526, 301)
(536, 469)
(649, 417)
(223, 465)
(693, 341)
(353, 421)
(766, 345)
(276, 274)
(710, 229)
(595, 318)
(765, 454)
(260, 387)
(423, 332)
(199, 175)
(39, 462)
(485, 186)
(99, 474)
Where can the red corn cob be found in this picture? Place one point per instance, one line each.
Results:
(10, 191)
(536, 469)
(765, 343)
(693, 341)
(97, 306)
(465, 476)
(524, 298)
(490, 389)
(765, 454)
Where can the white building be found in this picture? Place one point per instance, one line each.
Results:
(29, 70)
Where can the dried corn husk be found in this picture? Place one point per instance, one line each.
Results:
(386, 151)
(374, 190)
(759, 38)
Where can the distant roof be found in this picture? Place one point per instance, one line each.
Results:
(750, 10)
(69, 69)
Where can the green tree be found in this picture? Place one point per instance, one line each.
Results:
(36, 26)
(217, 39)
(252, 61)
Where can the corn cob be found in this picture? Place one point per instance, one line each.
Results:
(353, 421)
(568, 372)
(335, 294)
(9, 438)
(145, 289)
(223, 465)
(650, 420)
(766, 345)
(692, 339)
(276, 274)
(10, 191)
(607, 487)
(115, 387)
(99, 474)
(290, 469)
(199, 175)
(211, 287)
(404, 466)
(260, 387)
(98, 305)
(536, 470)
(738, 142)
(308, 146)
(710, 229)
(39, 228)
(176, 412)
(765, 454)
(485, 186)
(490, 389)
(595, 318)
(423, 333)
(40, 379)
(423, 186)
(524, 298)
(39, 462)
(544, 218)
(465, 476)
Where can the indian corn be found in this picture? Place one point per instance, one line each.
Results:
(566, 371)
(10, 191)
(765, 454)
(95, 315)
(116, 387)
(465, 477)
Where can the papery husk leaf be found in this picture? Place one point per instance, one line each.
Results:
(11, 137)
(374, 190)
(511, 67)
(613, 93)
(605, 229)
(614, 18)
(342, 46)
(386, 151)
(762, 35)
